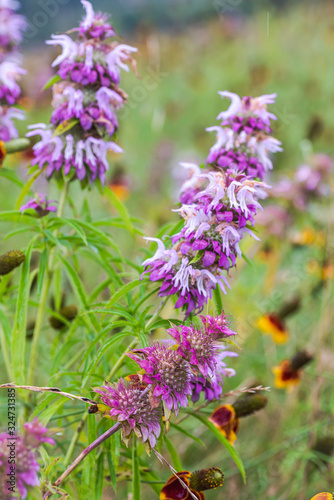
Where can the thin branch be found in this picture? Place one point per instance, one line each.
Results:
(250, 390)
(53, 390)
(83, 455)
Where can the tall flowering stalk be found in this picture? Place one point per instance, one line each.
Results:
(12, 26)
(86, 98)
(218, 206)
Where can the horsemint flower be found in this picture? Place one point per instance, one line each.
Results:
(226, 417)
(207, 246)
(130, 405)
(10, 260)
(12, 26)
(197, 482)
(199, 346)
(40, 204)
(167, 373)
(289, 371)
(310, 182)
(85, 99)
(244, 139)
(23, 449)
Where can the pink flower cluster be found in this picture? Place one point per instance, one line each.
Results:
(25, 467)
(171, 372)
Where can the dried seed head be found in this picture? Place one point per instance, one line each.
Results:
(10, 260)
(69, 313)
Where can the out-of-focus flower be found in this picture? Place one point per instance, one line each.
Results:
(275, 220)
(197, 482)
(226, 417)
(36, 434)
(120, 183)
(309, 182)
(323, 496)
(272, 324)
(40, 204)
(167, 373)
(128, 404)
(10, 260)
(289, 371)
(244, 139)
(12, 26)
(85, 100)
(26, 466)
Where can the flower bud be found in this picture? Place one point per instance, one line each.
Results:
(247, 405)
(206, 479)
(10, 260)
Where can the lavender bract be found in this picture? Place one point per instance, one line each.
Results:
(85, 100)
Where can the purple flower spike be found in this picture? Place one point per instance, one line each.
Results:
(244, 140)
(167, 373)
(85, 101)
(130, 406)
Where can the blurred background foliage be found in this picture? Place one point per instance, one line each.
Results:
(187, 52)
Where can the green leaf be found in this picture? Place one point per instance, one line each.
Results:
(11, 176)
(197, 257)
(224, 441)
(112, 471)
(54, 79)
(65, 126)
(218, 299)
(74, 225)
(120, 207)
(122, 291)
(106, 346)
(135, 473)
(99, 477)
(26, 188)
(20, 322)
(41, 273)
(174, 455)
(76, 283)
(186, 433)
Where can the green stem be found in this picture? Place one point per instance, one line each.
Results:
(5, 354)
(44, 294)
